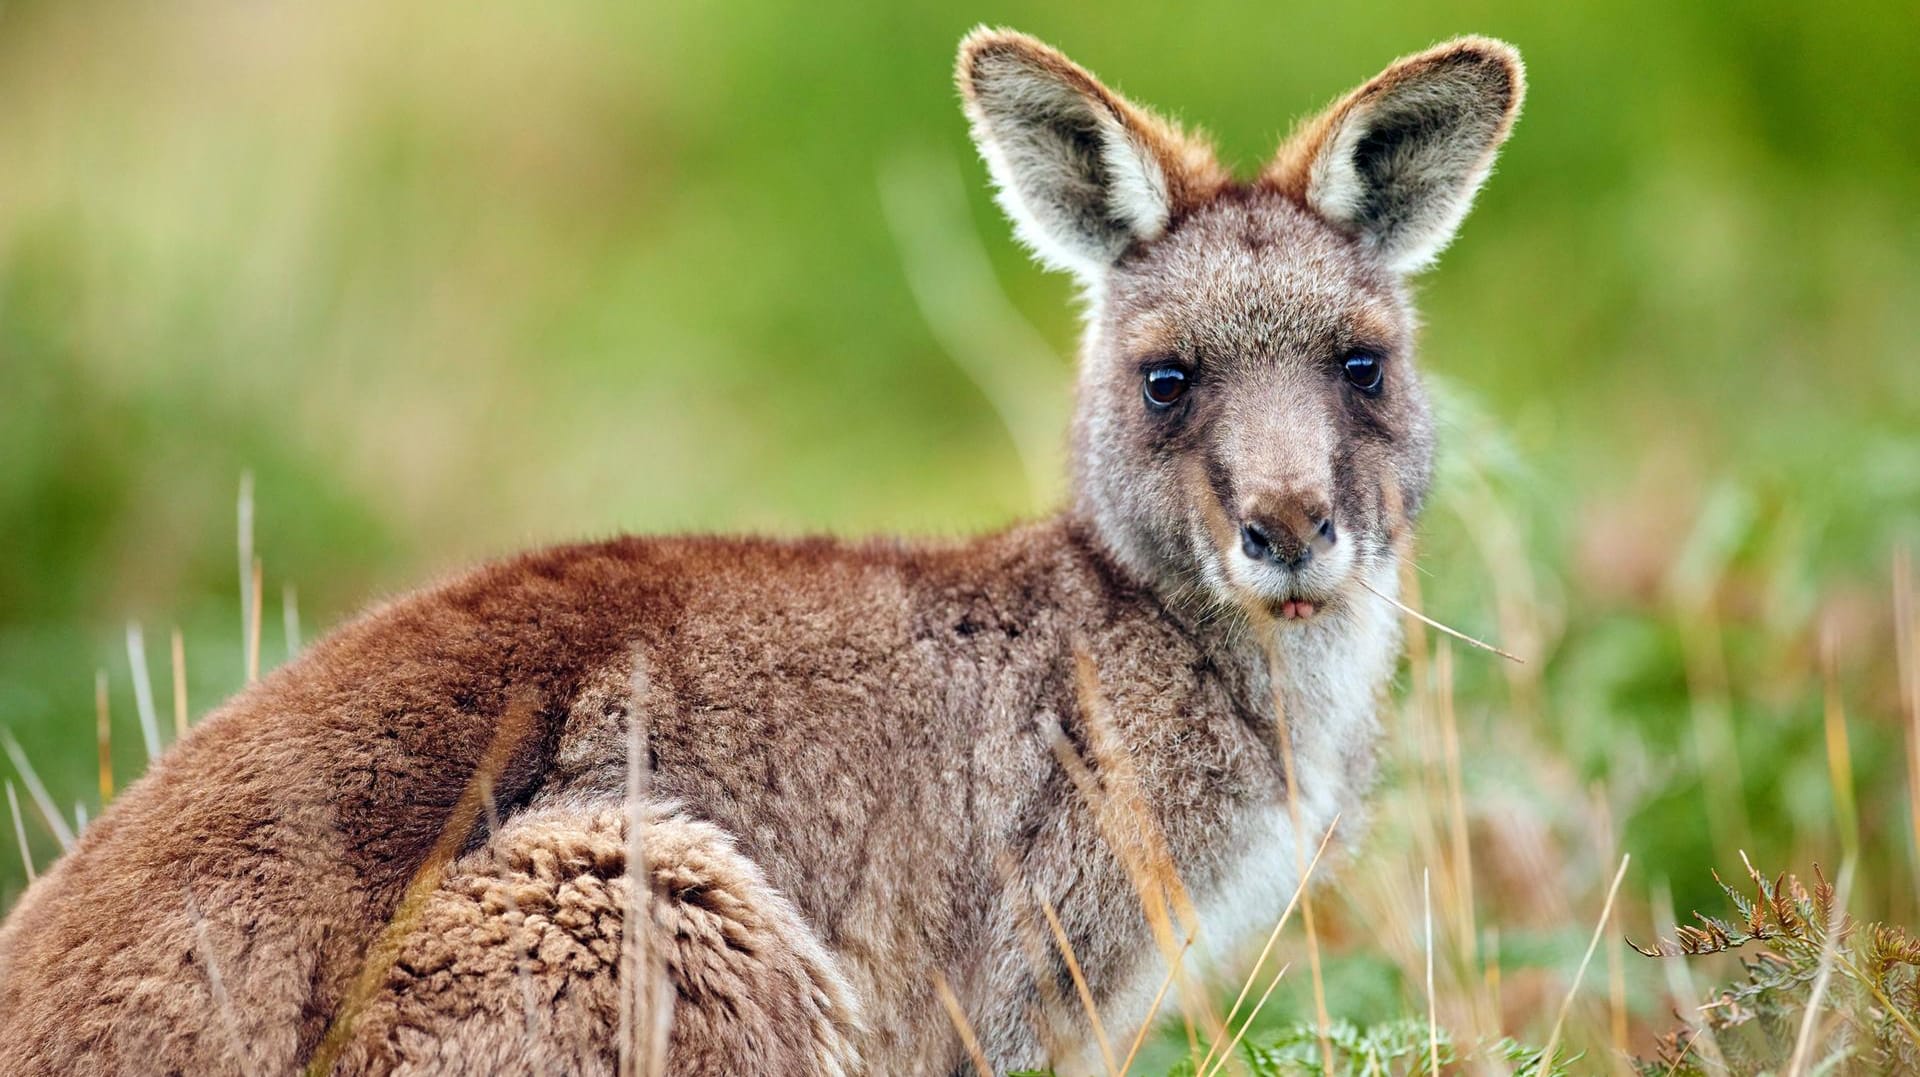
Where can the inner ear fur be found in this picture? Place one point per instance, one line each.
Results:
(1399, 160)
(1082, 172)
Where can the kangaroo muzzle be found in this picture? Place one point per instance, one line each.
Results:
(1288, 530)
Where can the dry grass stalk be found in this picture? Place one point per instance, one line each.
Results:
(1120, 788)
(1047, 1013)
(179, 685)
(1426, 711)
(1146, 1023)
(961, 1025)
(522, 957)
(290, 618)
(1906, 630)
(1155, 901)
(1566, 1005)
(1839, 754)
(1080, 984)
(1283, 733)
(1616, 957)
(1829, 951)
(217, 987)
(253, 626)
(1433, 1006)
(1253, 974)
(37, 791)
(20, 833)
(645, 1000)
(514, 727)
(1148, 882)
(1127, 825)
(1427, 707)
(1227, 1055)
(143, 690)
(1436, 625)
(1460, 868)
(103, 734)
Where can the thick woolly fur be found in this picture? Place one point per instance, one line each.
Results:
(513, 967)
(866, 765)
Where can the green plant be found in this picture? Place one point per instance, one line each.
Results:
(1826, 994)
(1402, 1047)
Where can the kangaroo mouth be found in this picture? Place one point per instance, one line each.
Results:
(1297, 609)
(1284, 596)
(1295, 603)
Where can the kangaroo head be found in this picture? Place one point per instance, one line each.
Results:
(1249, 420)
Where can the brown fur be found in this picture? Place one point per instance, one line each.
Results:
(1194, 174)
(1481, 59)
(855, 781)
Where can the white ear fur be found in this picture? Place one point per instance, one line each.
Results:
(1072, 165)
(1400, 160)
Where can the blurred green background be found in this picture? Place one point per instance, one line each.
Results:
(451, 279)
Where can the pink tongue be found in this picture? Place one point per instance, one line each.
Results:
(1294, 609)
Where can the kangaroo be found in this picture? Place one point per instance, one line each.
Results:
(732, 805)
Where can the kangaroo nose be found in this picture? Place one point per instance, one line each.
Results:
(1289, 538)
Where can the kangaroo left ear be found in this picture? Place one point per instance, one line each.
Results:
(1399, 160)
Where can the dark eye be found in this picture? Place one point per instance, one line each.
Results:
(1165, 385)
(1365, 372)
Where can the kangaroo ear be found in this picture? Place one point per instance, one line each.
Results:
(1399, 160)
(1083, 174)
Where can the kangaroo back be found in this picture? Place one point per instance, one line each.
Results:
(231, 895)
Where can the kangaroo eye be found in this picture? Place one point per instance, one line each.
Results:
(1165, 385)
(1365, 372)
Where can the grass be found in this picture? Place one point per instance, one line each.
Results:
(1448, 937)
(453, 280)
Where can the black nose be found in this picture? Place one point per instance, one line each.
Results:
(1255, 542)
(1284, 545)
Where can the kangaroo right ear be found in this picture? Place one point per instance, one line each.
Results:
(1082, 173)
(1398, 161)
